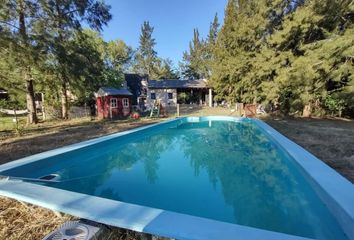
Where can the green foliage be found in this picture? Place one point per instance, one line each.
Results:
(146, 60)
(165, 70)
(294, 55)
(50, 47)
(146, 56)
(183, 98)
(197, 62)
(334, 104)
(194, 61)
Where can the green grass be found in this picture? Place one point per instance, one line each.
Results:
(7, 123)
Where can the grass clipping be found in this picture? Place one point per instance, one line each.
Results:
(24, 221)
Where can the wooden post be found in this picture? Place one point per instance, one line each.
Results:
(16, 120)
(43, 107)
(177, 110)
(210, 97)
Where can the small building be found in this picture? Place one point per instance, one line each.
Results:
(113, 103)
(171, 92)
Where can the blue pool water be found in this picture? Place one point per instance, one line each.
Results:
(226, 171)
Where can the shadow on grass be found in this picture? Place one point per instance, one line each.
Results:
(62, 136)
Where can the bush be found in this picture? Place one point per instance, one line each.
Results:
(334, 105)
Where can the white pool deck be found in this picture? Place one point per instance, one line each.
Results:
(335, 191)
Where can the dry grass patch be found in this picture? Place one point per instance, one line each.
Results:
(23, 221)
(331, 140)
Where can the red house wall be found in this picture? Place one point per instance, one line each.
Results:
(104, 107)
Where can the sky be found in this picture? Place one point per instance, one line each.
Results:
(173, 22)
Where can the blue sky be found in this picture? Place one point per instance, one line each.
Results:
(173, 21)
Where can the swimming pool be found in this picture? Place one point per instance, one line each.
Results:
(192, 178)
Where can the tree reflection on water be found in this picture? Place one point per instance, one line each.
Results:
(257, 179)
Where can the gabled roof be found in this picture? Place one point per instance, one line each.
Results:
(158, 84)
(109, 91)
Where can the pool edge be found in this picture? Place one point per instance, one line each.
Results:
(135, 217)
(337, 192)
(339, 201)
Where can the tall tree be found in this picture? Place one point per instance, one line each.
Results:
(295, 54)
(165, 69)
(63, 19)
(213, 31)
(17, 26)
(316, 46)
(146, 56)
(244, 34)
(194, 61)
(44, 28)
(210, 45)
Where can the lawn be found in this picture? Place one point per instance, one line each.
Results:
(8, 123)
(331, 140)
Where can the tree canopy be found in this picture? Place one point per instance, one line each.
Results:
(296, 55)
(147, 61)
(293, 55)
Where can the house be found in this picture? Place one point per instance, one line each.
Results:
(137, 85)
(168, 92)
(172, 92)
(113, 103)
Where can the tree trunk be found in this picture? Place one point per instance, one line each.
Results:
(31, 106)
(307, 110)
(64, 102)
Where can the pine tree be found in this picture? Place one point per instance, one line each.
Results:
(146, 56)
(295, 54)
(165, 70)
(316, 48)
(63, 19)
(213, 31)
(194, 61)
(17, 22)
(44, 30)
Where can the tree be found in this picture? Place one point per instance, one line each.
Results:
(41, 31)
(17, 30)
(213, 31)
(63, 18)
(118, 55)
(295, 54)
(146, 56)
(317, 48)
(165, 70)
(194, 61)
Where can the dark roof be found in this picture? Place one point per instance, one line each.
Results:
(198, 83)
(109, 91)
(134, 84)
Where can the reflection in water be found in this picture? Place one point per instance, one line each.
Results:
(225, 171)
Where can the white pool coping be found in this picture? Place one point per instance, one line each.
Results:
(335, 191)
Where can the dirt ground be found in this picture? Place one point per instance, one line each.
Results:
(44, 137)
(330, 140)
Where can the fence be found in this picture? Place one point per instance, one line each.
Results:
(199, 110)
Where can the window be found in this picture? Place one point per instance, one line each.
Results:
(170, 95)
(114, 103)
(125, 102)
(153, 96)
